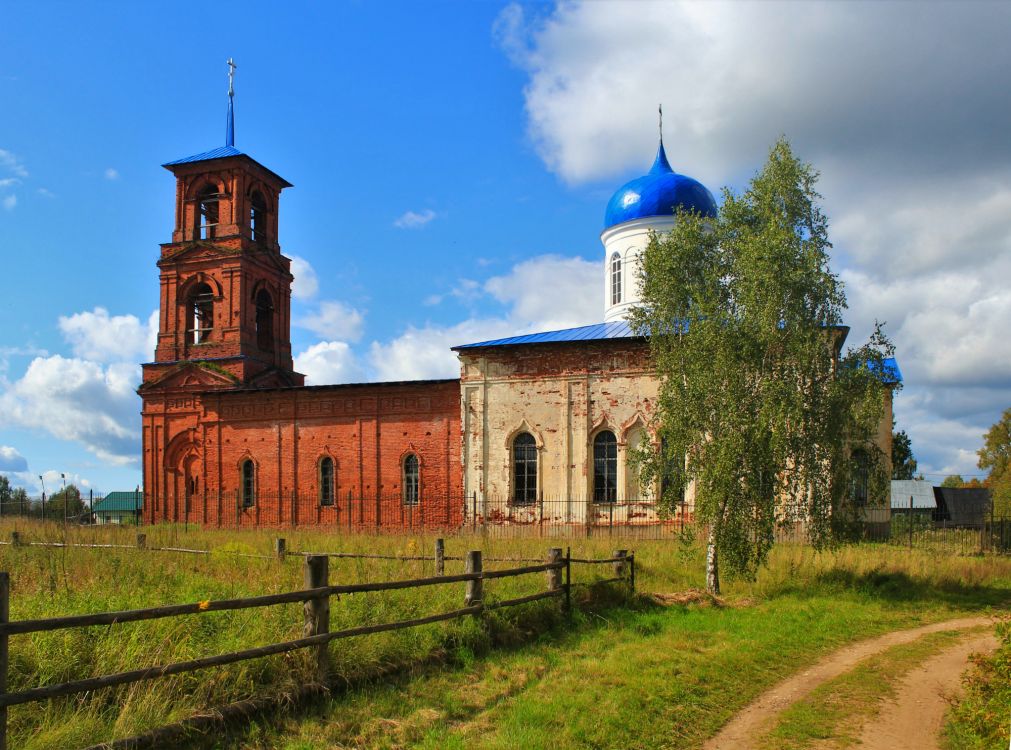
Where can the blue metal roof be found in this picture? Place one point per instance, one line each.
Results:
(660, 192)
(616, 330)
(890, 371)
(218, 153)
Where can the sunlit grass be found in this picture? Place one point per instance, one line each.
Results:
(683, 668)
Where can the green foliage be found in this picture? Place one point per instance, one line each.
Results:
(745, 323)
(953, 481)
(902, 521)
(980, 719)
(903, 463)
(995, 455)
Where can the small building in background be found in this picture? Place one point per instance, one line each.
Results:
(119, 508)
(915, 496)
(967, 507)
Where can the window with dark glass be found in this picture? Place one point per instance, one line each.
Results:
(411, 483)
(207, 213)
(264, 320)
(524, 469)
(201, 313)
(605, 468)
(248, 483)
(860, 477)
(615, 279)
(326, 481)
(257, 217)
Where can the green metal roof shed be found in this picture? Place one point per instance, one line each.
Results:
(120, 502)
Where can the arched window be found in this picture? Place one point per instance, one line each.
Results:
(860, 471)
(257, 217)
(615, 279)
(411, 480)
(634, 442)
(605, 468)
(207, 212)
(248, 483)
(201, 313)
(264, 320)
(524, 469)
(326, 481)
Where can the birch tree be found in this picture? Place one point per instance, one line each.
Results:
(757, 401)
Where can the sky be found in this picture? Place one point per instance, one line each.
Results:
(451, 164)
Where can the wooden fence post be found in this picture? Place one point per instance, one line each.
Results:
(280, 547)
(619, 564)
(141, 541)
(5, 611)
(568, 579)
(440, 557)
(474, 589)
(555, 574)
(317, 609)
(15, 538)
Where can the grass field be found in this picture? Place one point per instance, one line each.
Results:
(615, 673)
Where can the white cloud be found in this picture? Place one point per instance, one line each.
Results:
(100, 337)
(543, 293)
(734, 76)
(74, 399)
(334, 320)
(45, 193)
(909, 136)
(9, 182)
(9, 162)
(551, 292)
(10, 201)
(12, 460)
(414, 219)
(329, 362)
(111, 174)
(305, 285)
(424, 353)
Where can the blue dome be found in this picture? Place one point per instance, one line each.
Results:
(658, 193)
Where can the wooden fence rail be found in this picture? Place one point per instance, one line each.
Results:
(316, 619)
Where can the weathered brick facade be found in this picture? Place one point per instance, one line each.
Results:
(230, 434)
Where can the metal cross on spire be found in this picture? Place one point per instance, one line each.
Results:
(230, 119)
(660, 108)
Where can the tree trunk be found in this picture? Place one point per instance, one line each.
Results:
(712, 564)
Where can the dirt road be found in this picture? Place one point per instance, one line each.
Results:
(754, 719)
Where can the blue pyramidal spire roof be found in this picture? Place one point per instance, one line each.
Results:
(228, 150)
(230, 117)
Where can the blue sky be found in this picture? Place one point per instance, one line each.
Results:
(451, 164)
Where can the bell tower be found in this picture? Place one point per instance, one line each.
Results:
(225, 286)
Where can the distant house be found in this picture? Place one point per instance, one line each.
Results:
(962, 506)
(119, 507)
(914, 496)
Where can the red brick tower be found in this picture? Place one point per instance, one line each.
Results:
(224, 318)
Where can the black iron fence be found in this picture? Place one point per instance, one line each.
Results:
(559, 517)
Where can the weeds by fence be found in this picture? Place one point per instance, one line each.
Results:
(500, 518)
(315, 596)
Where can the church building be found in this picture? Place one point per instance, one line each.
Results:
(536, 429)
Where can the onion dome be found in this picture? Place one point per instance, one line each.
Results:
(660, 192)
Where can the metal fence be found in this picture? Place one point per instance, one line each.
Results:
(560, 517)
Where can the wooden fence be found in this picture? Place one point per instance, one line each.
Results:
(316, 616)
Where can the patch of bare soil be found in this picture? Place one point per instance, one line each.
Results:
(915, 720)
(696, 596)
(747, 726)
